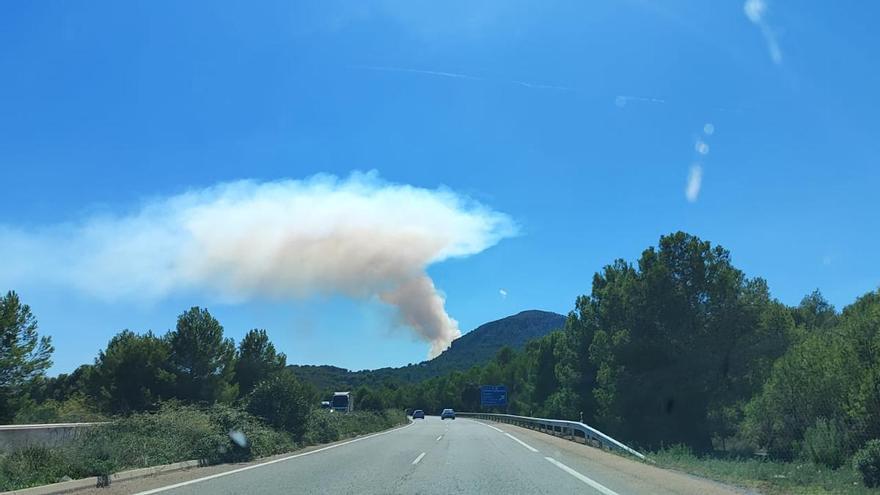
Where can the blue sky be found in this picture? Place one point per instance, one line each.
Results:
(582, 122)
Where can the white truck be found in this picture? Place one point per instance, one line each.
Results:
(342, 402)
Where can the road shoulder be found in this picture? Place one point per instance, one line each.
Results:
(629, 472)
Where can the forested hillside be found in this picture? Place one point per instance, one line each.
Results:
(478, 346)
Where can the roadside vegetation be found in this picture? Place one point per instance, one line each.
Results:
(188, 395)
(767, 476)
(178, 432)
(679, 347)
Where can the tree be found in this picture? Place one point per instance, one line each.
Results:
(679, 343)
(132, 374)
(541, 371)
(814, 312)
(283, 402)
(201, 359)
(24, 355)
(830, 378)
(62, 387)
(574, 371)
(368, 399)
(256, 360)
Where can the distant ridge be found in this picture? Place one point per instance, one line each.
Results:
(475, 347)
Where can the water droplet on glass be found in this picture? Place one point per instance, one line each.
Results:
(238, 438)
(702, 148)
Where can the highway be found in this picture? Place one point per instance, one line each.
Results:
(436, 457)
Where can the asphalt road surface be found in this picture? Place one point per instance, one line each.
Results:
(436, 457)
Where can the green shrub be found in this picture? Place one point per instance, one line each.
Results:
(678, 452)
(867, 462)
(825, 443)
(220, 433)
(176, 433)
(246, 436)
(32, 466)
(283, 402)
(322, 426)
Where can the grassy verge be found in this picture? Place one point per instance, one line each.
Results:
(177, 433)
(767, 476)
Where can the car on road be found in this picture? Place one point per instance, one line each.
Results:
(418, 414)
(447, 414)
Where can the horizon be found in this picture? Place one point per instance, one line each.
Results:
(366, 182)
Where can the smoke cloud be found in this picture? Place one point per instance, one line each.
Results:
(361, 237)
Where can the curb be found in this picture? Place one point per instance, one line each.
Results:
(101, 481)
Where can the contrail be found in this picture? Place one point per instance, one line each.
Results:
(360, 237)
(458, 75)
(453, 75)
(622, 100)
(542, 86)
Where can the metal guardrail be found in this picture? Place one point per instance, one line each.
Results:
(572, 429)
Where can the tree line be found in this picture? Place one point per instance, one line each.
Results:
(193, 363)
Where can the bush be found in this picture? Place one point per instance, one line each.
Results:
(72, 410)
(764, 475)
(219, 433)
(174, 433)
(246, 435)
(32, 466)
(322, 426)
(363, 422)
(678, 452)
(867, 462)
(825, 443)
(283, 402)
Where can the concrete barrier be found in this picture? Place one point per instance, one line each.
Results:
(14, 437)
(105, 481)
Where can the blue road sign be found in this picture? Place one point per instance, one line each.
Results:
(493, 395)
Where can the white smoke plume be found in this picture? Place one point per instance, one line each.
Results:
(361, 237)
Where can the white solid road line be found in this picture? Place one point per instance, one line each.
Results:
(511, 436)
(419, 458)
(522, 443)
(592, 483)
(438, 438)
(282, 459)
(490, 426)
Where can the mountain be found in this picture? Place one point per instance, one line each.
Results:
(481, 344)
(475, 347)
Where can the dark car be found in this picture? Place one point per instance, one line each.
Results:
(447, 413)
(418, 414)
